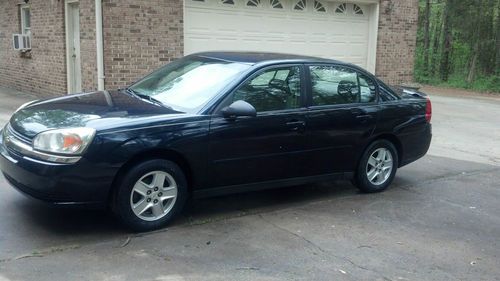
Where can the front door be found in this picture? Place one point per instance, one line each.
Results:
(268, 146)
(73, 46)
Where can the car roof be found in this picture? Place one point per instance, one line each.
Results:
(263, 57)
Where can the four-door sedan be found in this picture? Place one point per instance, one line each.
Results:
(210, 124)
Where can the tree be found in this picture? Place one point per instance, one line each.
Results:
(427, 40)
(438, 26)
(459, 43)
(476, 42)
(496, 26)
(447, 40)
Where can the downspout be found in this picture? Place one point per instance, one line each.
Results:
(99, 45)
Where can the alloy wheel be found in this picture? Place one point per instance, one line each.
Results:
(379, 166)
(153, 195)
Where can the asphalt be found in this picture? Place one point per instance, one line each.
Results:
(440, 220)
(10, 100)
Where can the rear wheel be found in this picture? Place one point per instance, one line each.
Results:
(151, 194)
(377, 167)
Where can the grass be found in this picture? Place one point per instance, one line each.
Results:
(490, 84)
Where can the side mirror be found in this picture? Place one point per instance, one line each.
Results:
(239, 108)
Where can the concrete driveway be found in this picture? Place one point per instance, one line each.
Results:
(439, 221)
(10, 100)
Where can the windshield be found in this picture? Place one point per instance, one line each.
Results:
(189, 83)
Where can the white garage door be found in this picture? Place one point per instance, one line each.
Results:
(309, 27)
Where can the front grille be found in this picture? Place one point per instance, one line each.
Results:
(9, 135)
(13, 133)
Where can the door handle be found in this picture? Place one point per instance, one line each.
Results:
(364, 117)
(357, 111)
(296, 125)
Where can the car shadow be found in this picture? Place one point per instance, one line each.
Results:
(82, 222)
(68, 224)
(224, 207)
(27, 224)
(66, 220)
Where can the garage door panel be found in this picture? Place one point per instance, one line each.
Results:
(210, 25)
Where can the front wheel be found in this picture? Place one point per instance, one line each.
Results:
(377, 167)
(151, 194)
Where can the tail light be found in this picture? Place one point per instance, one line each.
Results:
(428, 110)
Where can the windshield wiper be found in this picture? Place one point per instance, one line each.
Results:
(145, 97)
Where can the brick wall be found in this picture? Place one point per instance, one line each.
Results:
(43, 70)
(140, 36)
(397, 35)
(88, 45)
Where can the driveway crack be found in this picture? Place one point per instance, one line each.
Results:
(293, 233)
(42, 253)
(445, 177)
(319, 248)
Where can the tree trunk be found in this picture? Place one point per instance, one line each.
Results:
(486, 60)
(497, 40)
(476, 45)
(473, 64)
(447, 39)
(435, 48)
(427, 19)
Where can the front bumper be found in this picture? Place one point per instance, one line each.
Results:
(81, 183)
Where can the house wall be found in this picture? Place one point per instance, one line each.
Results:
(88, 45)
(140, 36)
(396, 43)
(43, 69)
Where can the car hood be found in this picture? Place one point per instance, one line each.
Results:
(100, 110)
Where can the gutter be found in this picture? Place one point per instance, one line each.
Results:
(99, 45)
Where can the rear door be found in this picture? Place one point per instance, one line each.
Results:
(265, 147)
(342, 116)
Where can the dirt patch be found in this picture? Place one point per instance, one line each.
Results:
(453, 92)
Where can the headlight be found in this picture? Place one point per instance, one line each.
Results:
(65, 141)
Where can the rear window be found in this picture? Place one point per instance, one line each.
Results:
(387, 93)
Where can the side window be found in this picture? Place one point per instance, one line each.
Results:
(272, 89)
(387, 95)
(334, 85)
(367, 89)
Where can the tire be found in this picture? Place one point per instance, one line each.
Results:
(374, 174)
(158, 190)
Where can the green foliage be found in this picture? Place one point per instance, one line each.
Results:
(473, 59)
(490, 84)
(461, 55)
(486, 84)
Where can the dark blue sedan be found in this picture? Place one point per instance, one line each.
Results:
(210, 124)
